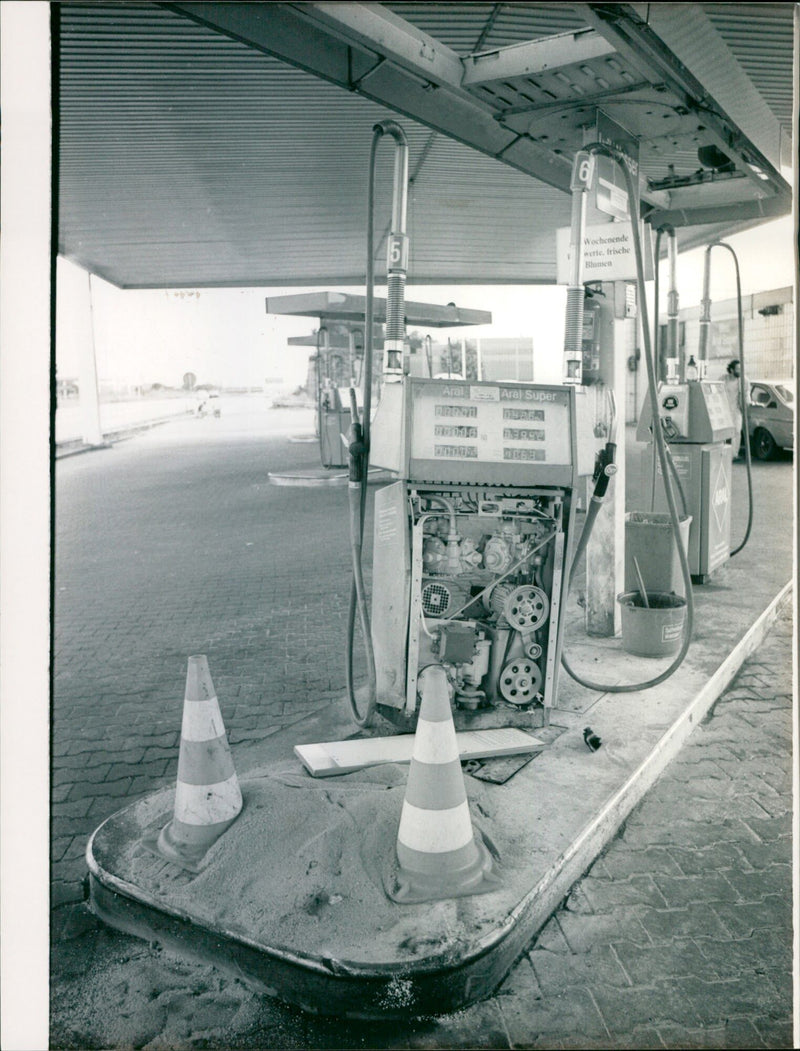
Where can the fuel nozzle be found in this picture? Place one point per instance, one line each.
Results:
(605, 467)
(605, 464)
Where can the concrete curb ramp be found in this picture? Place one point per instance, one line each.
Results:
(315, 477)
(563, 809)
(73, 446)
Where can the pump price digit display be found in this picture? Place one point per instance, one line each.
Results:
(520, 434)
(524, 454)
(523, 414)
(457, 452)
(464, 411)
(442, 430)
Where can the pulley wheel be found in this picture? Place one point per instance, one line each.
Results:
(526, 608)
(533, 650)
(520, 681)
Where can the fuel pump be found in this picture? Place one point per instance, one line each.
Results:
(470, 540)
(469, 544)
(694, 417)
(336, 375)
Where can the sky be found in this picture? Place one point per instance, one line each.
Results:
(225, 336)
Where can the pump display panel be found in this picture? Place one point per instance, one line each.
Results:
(490, 424)
(462, 431)
(690, 413)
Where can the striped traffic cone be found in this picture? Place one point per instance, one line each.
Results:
(438, 856)
(207, 795)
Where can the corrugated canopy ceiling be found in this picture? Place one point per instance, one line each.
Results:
(205, 144)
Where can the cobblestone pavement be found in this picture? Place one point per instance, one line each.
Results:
(172, 544)
(679, 935)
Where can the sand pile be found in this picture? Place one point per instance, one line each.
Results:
(305, 865)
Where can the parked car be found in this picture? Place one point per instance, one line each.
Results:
(770, 411)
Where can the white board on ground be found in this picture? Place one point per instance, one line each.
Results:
(343, 757)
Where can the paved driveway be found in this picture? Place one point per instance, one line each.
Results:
(175, 543)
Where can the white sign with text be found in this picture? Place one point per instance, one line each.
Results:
(608, 254)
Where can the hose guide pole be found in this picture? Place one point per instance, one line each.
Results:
(396, 255)
(674, 351)
(582, 175)
(667, 360)
(705, 317)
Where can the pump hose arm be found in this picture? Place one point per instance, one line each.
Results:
(360, 432)
(596, 501)
(743, 398)
(358, 600)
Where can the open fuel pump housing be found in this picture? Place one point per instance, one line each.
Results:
(470, 545)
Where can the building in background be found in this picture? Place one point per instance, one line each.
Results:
(768, 322)
(493, 358)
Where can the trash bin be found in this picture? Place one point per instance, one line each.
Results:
(655, 630)
(648, 539)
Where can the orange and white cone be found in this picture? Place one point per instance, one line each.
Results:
(207, 795)
(438, 855)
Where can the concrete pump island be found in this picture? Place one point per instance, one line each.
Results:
(294, 894)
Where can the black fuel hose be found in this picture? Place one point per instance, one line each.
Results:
(358, 596)
(596, 501)
(358, 482)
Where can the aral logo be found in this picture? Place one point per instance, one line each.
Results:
(721, 498)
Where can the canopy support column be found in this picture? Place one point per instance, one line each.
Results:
(91, 431)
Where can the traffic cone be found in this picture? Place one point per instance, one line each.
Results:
(438, 855)
(207, 795)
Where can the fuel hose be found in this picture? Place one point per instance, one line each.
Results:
(742, 395)
(358, 480)
(596, 500)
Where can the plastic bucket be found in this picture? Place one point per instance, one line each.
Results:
(653, 632)
(649, 540)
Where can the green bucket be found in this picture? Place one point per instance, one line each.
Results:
(655, 631)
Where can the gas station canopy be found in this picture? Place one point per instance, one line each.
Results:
(336, 306)
(214, 144)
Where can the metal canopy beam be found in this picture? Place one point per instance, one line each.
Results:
(366, 49)
(534, 57)
(340, 306)
(634, 40)
(375, 27)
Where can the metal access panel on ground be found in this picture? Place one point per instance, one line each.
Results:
(470, 544)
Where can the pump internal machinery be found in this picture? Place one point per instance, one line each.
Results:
(470, 543)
